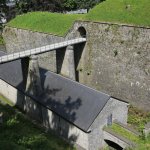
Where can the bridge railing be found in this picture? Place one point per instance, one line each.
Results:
(39, 50)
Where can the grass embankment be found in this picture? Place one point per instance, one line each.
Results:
(45, 22)
(137, 119)
(18, 133)
(141, 142)
(134, 12)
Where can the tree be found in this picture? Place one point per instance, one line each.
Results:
(87, 4)
(69, 4)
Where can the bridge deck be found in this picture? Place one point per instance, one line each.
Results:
(39, 50)
(118, 139)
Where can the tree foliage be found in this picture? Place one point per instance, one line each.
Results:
(24, 6)
(80, 4)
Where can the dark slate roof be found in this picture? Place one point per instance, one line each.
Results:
(76, 103)
(11, 72)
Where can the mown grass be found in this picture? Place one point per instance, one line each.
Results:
(123, 132)
(1, 40)
(141, 142)
(18, 133)
(136, 118)
(53, 23)
(134, 12)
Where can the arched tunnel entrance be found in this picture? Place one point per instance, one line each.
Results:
(113, 146)
(82, 32)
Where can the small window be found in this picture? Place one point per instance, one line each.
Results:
(109, 120)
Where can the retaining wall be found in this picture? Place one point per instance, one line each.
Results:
(114, 60)
(19, 40)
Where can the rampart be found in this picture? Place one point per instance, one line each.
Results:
(114, 60)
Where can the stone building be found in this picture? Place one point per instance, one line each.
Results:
(72, 110)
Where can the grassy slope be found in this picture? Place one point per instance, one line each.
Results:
(142, 144)
(137, 119)
(45, 22)
(117, 11)
(122, 11)
(18, 133)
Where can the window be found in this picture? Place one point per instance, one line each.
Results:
(109, 120)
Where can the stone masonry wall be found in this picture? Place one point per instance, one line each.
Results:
(19, 40)
(114, 60)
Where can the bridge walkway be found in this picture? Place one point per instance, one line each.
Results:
(39, 50)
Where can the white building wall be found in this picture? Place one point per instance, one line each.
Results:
(68, 131)
(49, 119)
(119, 111)
(8, 91)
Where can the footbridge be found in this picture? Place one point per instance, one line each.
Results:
(118, 142)
(30, 65)
(39, 50)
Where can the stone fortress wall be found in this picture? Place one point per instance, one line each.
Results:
(19, 40)
(114, 60)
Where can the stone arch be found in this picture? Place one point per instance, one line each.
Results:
(113, 145)
(82, 32)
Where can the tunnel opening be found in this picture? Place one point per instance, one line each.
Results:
(113, 146)
(82, 32)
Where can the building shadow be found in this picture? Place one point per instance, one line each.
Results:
(60, 54)
(49, 110)
(78, 51)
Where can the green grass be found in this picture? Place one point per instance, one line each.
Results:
(134, 12)
(138, 118)
(121, 131)
(46, 22)
(18, 133)
(142, 143)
